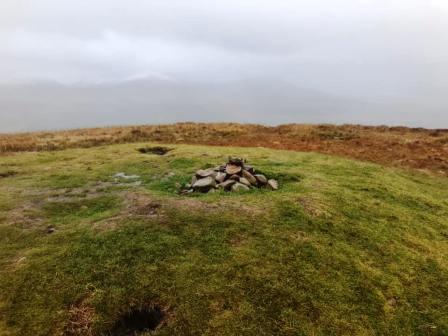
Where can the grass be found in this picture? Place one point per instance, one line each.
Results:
(343, 248)
(419, 148)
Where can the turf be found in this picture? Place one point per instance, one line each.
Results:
(343, 248)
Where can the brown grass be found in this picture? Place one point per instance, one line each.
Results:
(80, 322)
(397, 146)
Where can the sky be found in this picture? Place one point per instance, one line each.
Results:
(389, 54)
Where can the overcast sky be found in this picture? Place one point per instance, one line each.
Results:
(370, 50)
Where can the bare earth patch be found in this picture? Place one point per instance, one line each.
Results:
(26, 215)
(141, 205)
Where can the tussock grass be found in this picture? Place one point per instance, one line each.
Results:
(397, 146)
(343, 248)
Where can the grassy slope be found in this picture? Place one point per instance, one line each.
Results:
(343, 248)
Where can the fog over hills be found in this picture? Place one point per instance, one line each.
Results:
(66, 64)
(50, 105)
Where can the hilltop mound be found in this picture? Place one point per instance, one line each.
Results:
(96, 241)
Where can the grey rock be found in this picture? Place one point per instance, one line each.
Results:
(126, 177)
(249, 168)
(220, 177)
(205, 173)
(193, 180)
(226, 185)
(204, 184)
(245, 181)
(262, 180)
(239, 187)
(249, 177)
(273, 184)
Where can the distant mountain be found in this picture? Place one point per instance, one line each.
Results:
(51, 105)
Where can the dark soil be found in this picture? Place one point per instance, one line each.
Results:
(158, 150)
(138, 320)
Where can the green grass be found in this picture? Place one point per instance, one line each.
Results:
(343, 248)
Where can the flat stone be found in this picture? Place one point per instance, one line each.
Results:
(193, 180)
(249, 177)
(232, 169)
(204, 184)
(273, 184)
(226, 185)
(220, 177)
(205, 172)
(245, 181)
(262, 180)
(239, 187)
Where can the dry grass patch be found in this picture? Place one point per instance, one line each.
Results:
(80, 320)
(397, 146)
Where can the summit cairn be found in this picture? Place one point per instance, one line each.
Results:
(235, 175)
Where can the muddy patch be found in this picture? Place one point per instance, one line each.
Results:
(139, 320)
(157, 150)
(26, 215)
(135, 205)
(141, 205)
(149, 209)
(82, 193)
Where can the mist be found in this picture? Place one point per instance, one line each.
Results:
(77, 64)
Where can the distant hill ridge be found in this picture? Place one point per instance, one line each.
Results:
(397, 146)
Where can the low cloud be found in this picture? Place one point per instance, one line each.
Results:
(378, 51)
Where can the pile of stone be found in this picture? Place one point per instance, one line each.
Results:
(235, 175)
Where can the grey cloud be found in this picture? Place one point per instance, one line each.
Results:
(391, 53)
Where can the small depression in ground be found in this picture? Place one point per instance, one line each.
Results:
(8, 173)
(138, 321)
(158, 150)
